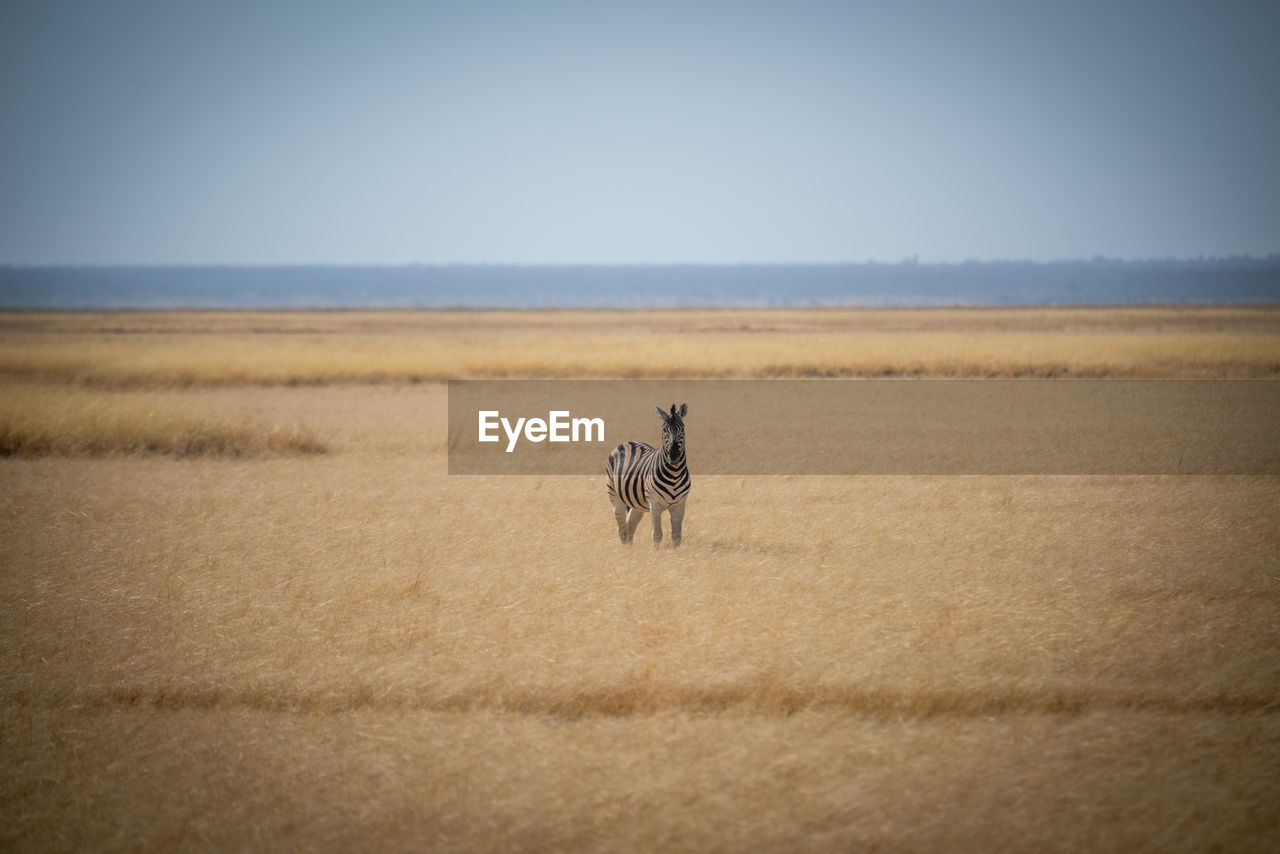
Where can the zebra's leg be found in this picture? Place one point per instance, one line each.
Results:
(677, 522)
(620, 514)
(633, 521)
(657, 523)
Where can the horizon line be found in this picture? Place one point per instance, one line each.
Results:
(910, 261)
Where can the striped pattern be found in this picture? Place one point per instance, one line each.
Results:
(637, 471)
(641, 478)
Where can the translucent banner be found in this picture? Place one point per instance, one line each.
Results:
(882, 426)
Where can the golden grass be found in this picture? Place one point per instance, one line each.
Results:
(356, 651)
(39, 420)
(325, 347)
(1092, 319)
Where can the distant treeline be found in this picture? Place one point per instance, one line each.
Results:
(1101, 281)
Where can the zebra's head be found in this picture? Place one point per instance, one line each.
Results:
(673, 432)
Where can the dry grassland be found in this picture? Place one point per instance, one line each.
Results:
(146, 349)
(352, 650)
(37, 420)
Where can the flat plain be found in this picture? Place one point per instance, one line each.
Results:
(243, 605)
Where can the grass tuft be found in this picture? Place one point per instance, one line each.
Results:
(69, 421)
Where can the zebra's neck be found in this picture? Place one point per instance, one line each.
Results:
(669, 467)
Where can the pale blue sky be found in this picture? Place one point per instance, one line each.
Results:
(388, 133)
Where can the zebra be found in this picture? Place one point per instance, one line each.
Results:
(641, 478)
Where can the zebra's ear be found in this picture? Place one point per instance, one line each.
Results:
(684, 407)
(665, 417)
